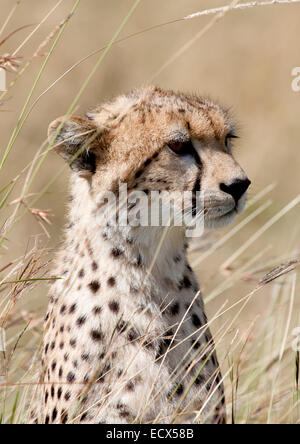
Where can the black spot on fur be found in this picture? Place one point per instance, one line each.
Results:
(196, 321)
(111, 282)
(114, 306)
(102, 356)
(116, 252)
(83, 416)
(94, 286)
(94, 266)
(103, 372)
(96, 335)
(97, 310)
(70, 377)
(122, 326)
(72, 308)
(148, 344)
(174, 309)
(81, 273)
(81, 320)
(161, 350)
(185, 283)
(196, 344)
(179, 389)
(130, 386)
(200, 380)
(169, 337)
(132, 334)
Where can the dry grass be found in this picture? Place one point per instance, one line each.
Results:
(250, 273)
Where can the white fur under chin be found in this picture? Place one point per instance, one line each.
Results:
(220, 222)
(226, 219)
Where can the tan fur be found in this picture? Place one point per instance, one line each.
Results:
(122, 343)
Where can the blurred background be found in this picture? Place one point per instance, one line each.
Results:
(245, 62)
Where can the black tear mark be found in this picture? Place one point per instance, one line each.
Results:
(197, 187)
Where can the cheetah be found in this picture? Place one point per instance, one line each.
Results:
(126, 338)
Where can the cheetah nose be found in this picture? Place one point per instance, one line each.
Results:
(236, 189)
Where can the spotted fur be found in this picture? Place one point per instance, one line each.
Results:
(123, 344)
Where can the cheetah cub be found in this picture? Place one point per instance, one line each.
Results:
(126, 337)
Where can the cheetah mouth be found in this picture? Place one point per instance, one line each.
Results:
(215, 213)
(222, 215)
(219, 210)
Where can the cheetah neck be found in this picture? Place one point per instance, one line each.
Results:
(153, 258)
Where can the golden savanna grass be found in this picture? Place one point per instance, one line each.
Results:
(64, 56)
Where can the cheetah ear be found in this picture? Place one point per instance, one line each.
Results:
(76, 140)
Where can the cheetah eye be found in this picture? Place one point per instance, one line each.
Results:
(182, 148)
(175, 146)
(228, 138)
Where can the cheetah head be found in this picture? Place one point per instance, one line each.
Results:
(156, 140)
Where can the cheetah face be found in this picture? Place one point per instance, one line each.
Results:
(155, 140)
(209, 171)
